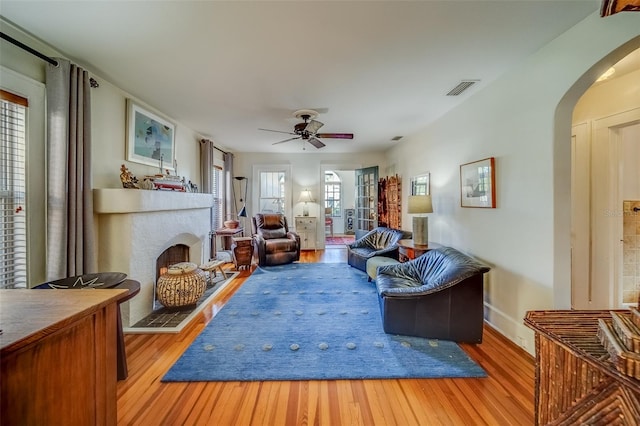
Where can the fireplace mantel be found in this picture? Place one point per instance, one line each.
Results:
(135, 226)
(118, 200)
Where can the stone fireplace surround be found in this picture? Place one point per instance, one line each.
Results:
(136, 226)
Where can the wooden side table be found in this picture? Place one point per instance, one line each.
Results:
(407, 250)
(242, 249)
(227, 234)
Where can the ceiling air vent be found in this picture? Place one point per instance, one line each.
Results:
(461, 87)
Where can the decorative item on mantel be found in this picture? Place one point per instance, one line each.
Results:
(168, 183)
(128, 180)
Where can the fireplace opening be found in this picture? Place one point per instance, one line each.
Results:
(171, 256)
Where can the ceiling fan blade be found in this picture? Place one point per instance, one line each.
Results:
(335, 135)
(315, 142)
(286, 140)
(278, 131)
(313, 126)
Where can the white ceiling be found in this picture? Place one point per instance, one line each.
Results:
(378, 68)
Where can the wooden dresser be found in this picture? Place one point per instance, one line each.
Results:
(575, 381)
(58, 356)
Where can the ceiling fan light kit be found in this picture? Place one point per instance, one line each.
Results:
(308, 130)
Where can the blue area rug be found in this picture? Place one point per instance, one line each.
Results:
(308, 321)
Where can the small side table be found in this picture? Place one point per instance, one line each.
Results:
(242, 249)
(226, 234)
(407, 250)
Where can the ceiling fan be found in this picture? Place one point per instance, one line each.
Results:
(308, 130)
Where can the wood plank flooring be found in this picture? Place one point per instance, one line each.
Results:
(505, 397)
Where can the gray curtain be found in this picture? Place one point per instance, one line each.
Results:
(70, 227)
(206, 164)
(230, 210)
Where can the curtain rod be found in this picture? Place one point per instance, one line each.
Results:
(28, 49)
(214, 146)
(92, 81)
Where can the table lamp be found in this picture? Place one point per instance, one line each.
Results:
(305, 197)
(420, 204)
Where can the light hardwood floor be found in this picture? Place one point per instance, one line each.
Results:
(505, 397)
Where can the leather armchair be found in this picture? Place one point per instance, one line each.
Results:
(273, 242)
(380, 241)
(439, 295)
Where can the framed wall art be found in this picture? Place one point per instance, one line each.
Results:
(477, 184)
(150, 138)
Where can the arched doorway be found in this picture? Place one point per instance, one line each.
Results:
(564, 199)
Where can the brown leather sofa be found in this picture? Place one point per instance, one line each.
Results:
(438, 295)
(273, 242)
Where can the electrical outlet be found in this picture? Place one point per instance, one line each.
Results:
(522, 342)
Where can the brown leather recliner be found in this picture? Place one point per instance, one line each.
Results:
(273, 242)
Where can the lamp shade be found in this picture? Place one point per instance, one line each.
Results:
(420, 204)
(305, 197)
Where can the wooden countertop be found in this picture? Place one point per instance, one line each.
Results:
(29, 315)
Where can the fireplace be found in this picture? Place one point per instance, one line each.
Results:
(136, 226)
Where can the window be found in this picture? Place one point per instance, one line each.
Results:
(217, 215)
(332, 194)
(270, 189)
(420, 185)
(13, 208)
(272, 192)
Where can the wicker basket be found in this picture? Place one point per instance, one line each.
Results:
(182, 285)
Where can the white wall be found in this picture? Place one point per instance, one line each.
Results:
(109, 108)
(513, 120)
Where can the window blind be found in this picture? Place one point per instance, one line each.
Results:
(13, 208)
(218, 215)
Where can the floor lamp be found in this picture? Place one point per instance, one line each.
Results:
(243, 199)
(420, 205)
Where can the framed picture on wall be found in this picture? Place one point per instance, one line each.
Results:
(477, 184)
(150, 138)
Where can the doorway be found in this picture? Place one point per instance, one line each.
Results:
(605, 158)
(338, 204)
(342, 221)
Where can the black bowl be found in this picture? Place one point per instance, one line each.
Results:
(99, 280)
